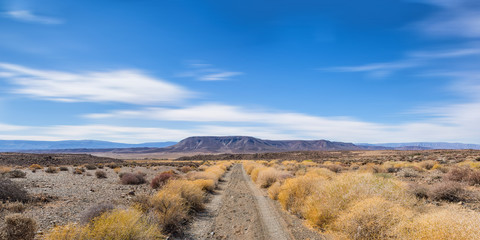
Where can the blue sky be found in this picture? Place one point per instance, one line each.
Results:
(138, 71)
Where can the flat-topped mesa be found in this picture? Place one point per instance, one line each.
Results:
(245, 144)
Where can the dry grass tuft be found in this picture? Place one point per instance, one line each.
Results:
(117, 224)
(330, 198)
(171, 210)
(268, 176)
(18, 227)
(442, 224)
(372, 218)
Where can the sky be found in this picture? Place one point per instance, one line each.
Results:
(133, 71)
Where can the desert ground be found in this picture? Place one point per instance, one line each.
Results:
(432, 194)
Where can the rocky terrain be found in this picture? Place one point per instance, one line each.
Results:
(27, 159)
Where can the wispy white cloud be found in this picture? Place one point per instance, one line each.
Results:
(28, 16)
(456, 122)
(219, 76)
(207, 72)
(10, 128)
(416, 59)
(125, 86)
(456, 18)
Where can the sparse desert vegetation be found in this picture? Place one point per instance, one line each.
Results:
(113, 204)
(383, 200)
(339, 198)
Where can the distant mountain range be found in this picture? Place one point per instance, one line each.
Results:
(21, 145)
(212, 144)
(427, 145)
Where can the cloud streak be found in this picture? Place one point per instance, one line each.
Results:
(124, 86)
(28, 16)
(412, 60)
(457, 18)
(207, 72)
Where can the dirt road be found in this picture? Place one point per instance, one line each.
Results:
(240, 210)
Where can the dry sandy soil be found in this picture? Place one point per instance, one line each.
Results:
(75, 193)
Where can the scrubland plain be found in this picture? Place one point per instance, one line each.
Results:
(345, 195)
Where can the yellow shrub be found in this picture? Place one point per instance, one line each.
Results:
(320, 172)
(331, 197)
(471, 164)
(274, 190)
(250, 166)
(35, 166)
(205, 184)
(192, 193)
(308, 163)
(268, 176)
(123, 224)
(214, 172)
(117, 170)
(372, 218)
(294, 191)
(255, 173)
(67, 232)
(170, 208)
(427, 165)
(439, 167)
(443, 224)
(118, 224)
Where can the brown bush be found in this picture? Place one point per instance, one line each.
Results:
(132, 179)
(407, 173)
(10, 191)
(474, 177)
(420, 191)
(186, 169)
(16, 174)
(447, 191)
(90, 166)
(100, 174)
(16, 207)
(78, 171)
(51, 170)
(112, 165)
(334, 168)
(63, 168)
(427, 164)
(95, 211)
(161, 179)
(463, 174)
(19, 227)
(458, 174)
